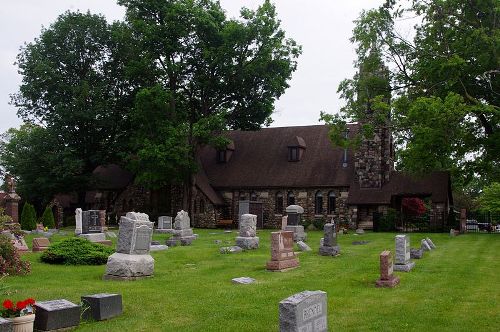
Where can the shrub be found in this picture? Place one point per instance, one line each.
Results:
(4, 219)
(28, 217)
(10, 260)
(48, 218)
(387, 222)
(319, 223)
(77, 251)
(305, 223)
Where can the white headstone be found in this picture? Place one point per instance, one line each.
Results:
(78, 219)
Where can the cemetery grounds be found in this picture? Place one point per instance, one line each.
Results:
(455, 287)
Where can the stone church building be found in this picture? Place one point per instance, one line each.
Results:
(262, 172)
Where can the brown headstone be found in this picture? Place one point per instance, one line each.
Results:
(282, 255)
(463, 220)
(387, 279)
(40, 244)
(20, 244)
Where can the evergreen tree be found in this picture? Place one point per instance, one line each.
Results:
(28, 217)
(48, 218)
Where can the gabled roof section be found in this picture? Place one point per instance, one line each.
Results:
(260, 160)
(111, 177)
(436, 185)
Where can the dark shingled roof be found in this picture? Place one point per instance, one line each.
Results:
(436, 185)
(111, 177)
(260, 159)
(204, 186)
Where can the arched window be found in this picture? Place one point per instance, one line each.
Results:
(290, 198)
(253, 196)
(331, 202)
(318, 203)
(202, 205)
(278, 203)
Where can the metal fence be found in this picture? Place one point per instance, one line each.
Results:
(433, 222)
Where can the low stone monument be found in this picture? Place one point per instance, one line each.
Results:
(132, 260)
(182, 233)
(387, 278)
(424, 245)
(40, 244)
(329, 246)
(294, 215)
(56, 315)
(304, 312)
(247, 238)
(102, 306)
(416, 253)
(303, 246)
(403, 256)
(164, 225)
(282, 255)
(91, 225)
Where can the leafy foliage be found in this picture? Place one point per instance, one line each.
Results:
(490, 198)
(77, 251)
(48, 218)
(413, 206)
(28, 217)
(10, 260)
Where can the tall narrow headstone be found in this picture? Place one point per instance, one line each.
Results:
(403, 254)
(329, 246)
(304, 312)
(247, 238)
(282, 255)
(132, 259)
(387, 278)
(182, 234)
(78, 221)
(284, 222)
(294, 215)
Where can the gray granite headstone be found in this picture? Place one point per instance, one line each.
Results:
(431, 244)
(135, 234)
(402, 262)
(416, 253)
(56, 314)
(102, 306)
(164, 222)
(328, 244)
(303, 246)
(247, 238)
(304, 312)
(5, 325)
(425, 246)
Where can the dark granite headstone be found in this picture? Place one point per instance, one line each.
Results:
(102, 306)
(5, 325)
(56, 314)
(91, 222)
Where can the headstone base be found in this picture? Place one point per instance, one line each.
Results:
(298, 232)
(129, 267)
(404, 267)
(247, 242)
(389, 283)
(164, 231)
(416, 253)
(329, 251)
(94, 237)
(158, 247)
(102, 306)
(277, 266)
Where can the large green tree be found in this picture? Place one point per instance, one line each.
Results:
(74, 85)
(445, 83)
(212, 74)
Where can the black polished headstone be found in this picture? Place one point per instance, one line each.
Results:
(91, 222)
(102, 306)
(56, 314)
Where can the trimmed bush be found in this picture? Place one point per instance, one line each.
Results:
(10, 260)
(77, 251)
(28, 217)
(48, 218)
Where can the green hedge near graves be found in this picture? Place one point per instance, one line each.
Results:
(77, 251)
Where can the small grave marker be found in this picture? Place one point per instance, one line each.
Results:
(56, 314)
(102, 306)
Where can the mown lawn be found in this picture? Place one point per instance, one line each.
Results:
(453, 288)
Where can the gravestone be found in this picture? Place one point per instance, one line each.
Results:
(431, 244)
(18, 241)
(247, 238)
(164, 224)
(56, 314)
(243, 280)
(91, 222)
(182, 233)
(132, 260)
(282, 255)
(294, 216)
(416, 253)
(230, 250)
(284, 222)
(303, 246)
(424, 245)
(387, 278)
(102, 306)
(402, 261)
(6, 325)
(329, 246)
(304, 312)
(40, 244)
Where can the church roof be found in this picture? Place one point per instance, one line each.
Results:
(260, 160)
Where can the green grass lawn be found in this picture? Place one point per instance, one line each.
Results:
(453, 288)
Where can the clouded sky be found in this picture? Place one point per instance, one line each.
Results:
(322, 27)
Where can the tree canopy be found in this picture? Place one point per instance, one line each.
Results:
(444, 83)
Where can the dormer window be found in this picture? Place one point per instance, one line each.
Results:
(296, 149)
(223, 155)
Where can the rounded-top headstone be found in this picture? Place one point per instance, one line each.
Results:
(294, 209)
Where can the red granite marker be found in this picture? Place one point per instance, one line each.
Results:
(282, 255)
(387, 279)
